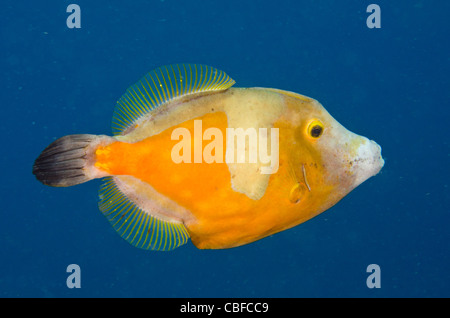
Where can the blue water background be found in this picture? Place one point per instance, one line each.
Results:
(389, 84)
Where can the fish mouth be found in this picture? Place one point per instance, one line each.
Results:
(377, 158)
(367, 162)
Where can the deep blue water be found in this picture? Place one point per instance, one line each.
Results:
(389, 84)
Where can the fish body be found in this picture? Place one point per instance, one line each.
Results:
(194, 158)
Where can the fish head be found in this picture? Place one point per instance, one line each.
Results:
(327, 158)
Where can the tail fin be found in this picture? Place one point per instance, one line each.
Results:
(65, 162)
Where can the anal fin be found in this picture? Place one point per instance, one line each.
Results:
(138, 226)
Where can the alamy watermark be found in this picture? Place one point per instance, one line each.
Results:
(74, 279)
(374, 19)
(74, 19)
(242, 146)
(374, 279)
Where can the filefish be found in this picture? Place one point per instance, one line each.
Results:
(192, 157)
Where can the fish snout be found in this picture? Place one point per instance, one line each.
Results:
(367, 161)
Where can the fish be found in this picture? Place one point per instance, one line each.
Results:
(193, 158)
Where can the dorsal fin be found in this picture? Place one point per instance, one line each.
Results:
(163, 85)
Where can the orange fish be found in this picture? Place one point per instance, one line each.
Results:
(192, 157)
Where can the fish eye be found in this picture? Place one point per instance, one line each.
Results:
(315, 128)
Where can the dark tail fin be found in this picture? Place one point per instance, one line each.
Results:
(63, 163)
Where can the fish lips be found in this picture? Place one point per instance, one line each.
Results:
(367, 162)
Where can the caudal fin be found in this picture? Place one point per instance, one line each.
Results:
(65, 162)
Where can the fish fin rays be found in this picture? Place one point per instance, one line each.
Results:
(136, 226)
(163, 85)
